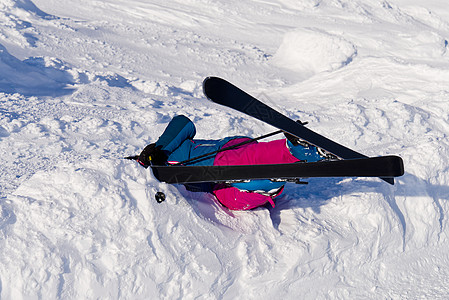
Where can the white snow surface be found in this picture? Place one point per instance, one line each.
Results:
(85, 83)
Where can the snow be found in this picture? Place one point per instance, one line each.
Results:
(312, 51)
(85, 83)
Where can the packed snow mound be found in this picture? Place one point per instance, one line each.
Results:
(34, 76)
(17, 18)
(23, 8)
(311, 51)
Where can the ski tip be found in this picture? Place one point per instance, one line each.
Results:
(208, 79)
(204, 85)
(212, 85)
(211, 78)
(397, 164)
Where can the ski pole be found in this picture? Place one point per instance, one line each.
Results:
(200, 157)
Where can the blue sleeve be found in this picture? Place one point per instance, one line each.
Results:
(178, 130)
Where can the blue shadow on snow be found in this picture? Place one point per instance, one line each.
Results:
(33, 76)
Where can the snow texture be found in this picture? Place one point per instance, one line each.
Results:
(85, 83)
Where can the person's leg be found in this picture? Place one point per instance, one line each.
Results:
(177, 132)
(306, 153)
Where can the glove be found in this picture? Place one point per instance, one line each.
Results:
(152, 155)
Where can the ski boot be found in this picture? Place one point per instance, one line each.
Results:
(307, 152)
(326, 154)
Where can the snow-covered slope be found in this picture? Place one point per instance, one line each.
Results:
(85, 83)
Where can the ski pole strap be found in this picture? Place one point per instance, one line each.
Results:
(204, 156)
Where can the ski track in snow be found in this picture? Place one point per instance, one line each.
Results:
(85, 83)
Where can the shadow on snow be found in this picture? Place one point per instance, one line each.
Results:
(33, 76)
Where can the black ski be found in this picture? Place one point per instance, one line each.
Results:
(384, 166)
(222, 92)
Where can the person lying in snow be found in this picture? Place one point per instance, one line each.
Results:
(176, 144)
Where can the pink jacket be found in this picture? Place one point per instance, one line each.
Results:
(274, 152)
